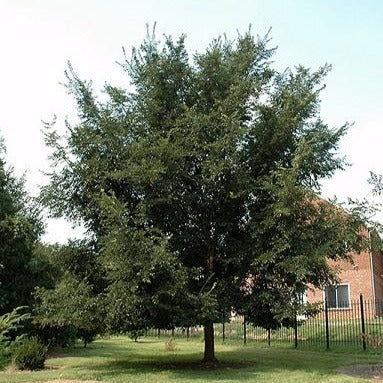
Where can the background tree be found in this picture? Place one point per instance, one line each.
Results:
(200, 185)
(74, 306)
(21, 267)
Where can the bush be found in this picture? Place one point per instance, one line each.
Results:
(30, 354)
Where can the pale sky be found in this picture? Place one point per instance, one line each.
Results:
(38, 37)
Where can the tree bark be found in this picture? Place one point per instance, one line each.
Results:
(209, 354)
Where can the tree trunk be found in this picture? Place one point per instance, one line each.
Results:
(209, 355)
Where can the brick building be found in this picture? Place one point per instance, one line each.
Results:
(363, 276)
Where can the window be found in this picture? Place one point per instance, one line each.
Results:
(337, 297)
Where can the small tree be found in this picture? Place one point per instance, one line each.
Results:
(71, 303)
(76, 300)
(200, 185)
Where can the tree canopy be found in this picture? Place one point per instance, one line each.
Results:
(200, 183)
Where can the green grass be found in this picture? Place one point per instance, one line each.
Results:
(118, 359)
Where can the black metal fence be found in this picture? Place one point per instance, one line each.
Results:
(357, 324)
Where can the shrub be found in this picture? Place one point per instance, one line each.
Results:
(30, 354)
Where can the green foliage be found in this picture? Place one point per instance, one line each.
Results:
(200, 186)
(14, 324)
(80, 259)
(52, 334)
(30, 354)
(71, 304)
(74, 306)
(20, 228)
(43, 264)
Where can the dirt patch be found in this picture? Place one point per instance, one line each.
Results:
(366, 371)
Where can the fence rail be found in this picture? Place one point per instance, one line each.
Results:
(355, 323)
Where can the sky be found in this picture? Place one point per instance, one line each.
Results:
(38, 37)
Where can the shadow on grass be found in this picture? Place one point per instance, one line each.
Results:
(175, 365)
(239, 364)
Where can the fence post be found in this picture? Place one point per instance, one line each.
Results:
(363, 324)
(244, 330)
(187, 333)
(296, 332)
(327, 329)
(158, 333)
(223, 331)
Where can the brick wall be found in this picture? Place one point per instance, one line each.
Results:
(359, 277)
(377, 261)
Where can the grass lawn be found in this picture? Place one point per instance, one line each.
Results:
(118, 359)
